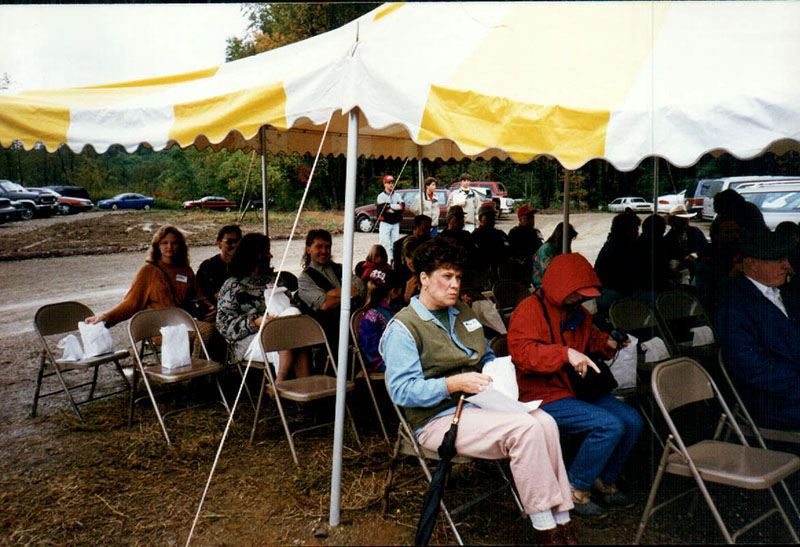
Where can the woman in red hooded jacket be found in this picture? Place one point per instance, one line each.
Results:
(550, 331)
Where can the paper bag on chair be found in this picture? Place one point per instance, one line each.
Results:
(96, 339)
(655, 350)
(175, 346)
(703, 336)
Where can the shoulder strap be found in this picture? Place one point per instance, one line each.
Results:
(318, 278)
(169, 283)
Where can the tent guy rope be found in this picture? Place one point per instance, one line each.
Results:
(261, 327)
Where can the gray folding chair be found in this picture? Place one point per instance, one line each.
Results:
(680, 382)
(288, 333)
(60, 319)
(680, 311)
(408, 445)
(369, 376)
(144, 326)
(507, 293)
(635, 317)
(750, 428)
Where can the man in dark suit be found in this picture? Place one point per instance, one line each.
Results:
(759, 329)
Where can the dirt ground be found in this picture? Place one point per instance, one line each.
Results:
(63, 482)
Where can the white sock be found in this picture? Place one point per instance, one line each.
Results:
(562, 517)
(543, 520)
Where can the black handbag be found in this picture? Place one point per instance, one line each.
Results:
(192, 306)
(591, 386)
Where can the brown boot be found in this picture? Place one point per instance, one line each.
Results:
(568, 534)
(549, 537)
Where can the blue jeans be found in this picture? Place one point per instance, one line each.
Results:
(611, 429)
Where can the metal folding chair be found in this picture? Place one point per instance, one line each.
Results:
(293, 332)
(59, 319)
(507, 293)
(407, 445)
(369, 376)
(680, 382)
(680, 311)
(143, 327)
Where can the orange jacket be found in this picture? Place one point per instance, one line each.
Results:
(539, 358)
(151, 289)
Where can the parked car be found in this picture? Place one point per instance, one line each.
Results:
(664, 204)
(8, 212)
(777, 202)
(34, 203)
(68, 205)
(632, 204)
(718, 185)
(366, 215)
(211, 202)
(71, 191)
(497, 188)
(696, 193)
(127, 200)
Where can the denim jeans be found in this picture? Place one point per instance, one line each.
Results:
(388, 234)
(611, 429)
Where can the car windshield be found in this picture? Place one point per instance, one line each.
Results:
(9, 186)
(775, 202)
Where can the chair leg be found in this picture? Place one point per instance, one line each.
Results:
(286, 429)
(784, 516)
(222, 395)
(155, 407)
(258, 405)
(387, 486)
(69, 395)
(122, 373)
(133, 396)
(377, 409)
(352, 423)
(648, 509)
(42, 365)
(510, 486)
(94, 383)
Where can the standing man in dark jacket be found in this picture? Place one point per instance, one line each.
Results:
(759, 330)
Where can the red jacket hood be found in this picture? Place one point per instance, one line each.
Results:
(566, 274)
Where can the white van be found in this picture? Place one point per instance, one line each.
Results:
(777, 202)
(718, 185)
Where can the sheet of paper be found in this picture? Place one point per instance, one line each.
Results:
(492, 399)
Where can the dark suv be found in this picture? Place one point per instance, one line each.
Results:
(35, 203)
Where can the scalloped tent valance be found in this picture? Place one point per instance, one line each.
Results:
(576, 81)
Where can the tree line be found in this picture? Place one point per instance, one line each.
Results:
(175, 175)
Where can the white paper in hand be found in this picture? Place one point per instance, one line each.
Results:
(504, 376)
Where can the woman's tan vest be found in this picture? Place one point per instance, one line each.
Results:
(439, 355)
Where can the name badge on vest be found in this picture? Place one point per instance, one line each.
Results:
(181, 278)
(472, 325)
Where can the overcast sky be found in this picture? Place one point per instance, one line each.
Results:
(56, 46)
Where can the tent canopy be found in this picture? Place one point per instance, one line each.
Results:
(574, 81)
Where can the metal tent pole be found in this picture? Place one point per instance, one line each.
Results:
(565, 242)
(421, 179)
(264, 205)
(344, 314)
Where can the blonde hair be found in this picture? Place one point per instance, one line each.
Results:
(376, 251)
(181, 257)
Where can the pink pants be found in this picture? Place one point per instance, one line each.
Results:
(531, 442)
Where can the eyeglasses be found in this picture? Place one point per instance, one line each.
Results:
(229, 241)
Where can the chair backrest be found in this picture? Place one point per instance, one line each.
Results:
(60, 317)
(292, 332)
(508, 293)
(355, 321)
(680, 311)
(680, 382)
(636, 318)
(146, 324)
(499, 345)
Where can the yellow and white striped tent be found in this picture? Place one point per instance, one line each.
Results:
(572, 80)
(575, 81)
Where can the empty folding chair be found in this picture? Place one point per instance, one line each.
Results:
(636, 318)
(368, 375)
(60, 319)
(680, 312)
(507, 293)
(680, 382)
(407, 445)
(289, 333)
(146, 325)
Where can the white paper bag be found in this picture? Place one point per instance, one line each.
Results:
(623, 366)
(96, 339)
(504, 376)
(280, 300)
(703, 336)
(175, 346)
(655, 350)
(72, 348)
